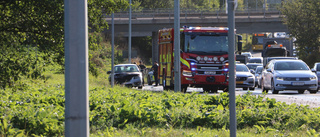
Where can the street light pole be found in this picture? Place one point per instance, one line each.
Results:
(177, 71)
(231, 58)
(112, 44)
(129, 49)
(76, 68)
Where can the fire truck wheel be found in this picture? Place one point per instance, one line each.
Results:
(214, 90)
(206, 89)
(184, 88)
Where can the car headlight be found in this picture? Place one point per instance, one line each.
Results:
(313, 78)
(279, 78)
(186, 73)
(250, 76)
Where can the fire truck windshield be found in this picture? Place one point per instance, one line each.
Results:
(205, 43)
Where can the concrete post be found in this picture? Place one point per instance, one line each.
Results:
(76, 68)
(231, 58)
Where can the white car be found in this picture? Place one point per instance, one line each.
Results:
(248, 54)
(244, 78)
(257, 75)
(256, 60)
(287, 74)
(128, 75)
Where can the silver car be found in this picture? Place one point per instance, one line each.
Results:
(288, 74)
(316, 69)
(244, 78)
(257, 75)
(128, 75)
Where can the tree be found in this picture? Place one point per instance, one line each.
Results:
(302, 18)
(39, 24)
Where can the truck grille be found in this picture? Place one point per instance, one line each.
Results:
(203, 68)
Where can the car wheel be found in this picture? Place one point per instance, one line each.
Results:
(274, 91)
(301, 91)
(313, 91)
(252, 88)
(139, 87)
(263, 88)
(149, 80)
(245, 88)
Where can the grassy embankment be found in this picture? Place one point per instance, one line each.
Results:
(37, 108)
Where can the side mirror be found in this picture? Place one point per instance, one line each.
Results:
(108, 72)
(268, 70)
(252, 71)
(313, 70)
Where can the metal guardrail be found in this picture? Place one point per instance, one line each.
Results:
(191, 13)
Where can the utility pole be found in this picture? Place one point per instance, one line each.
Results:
(231, 57)
(112, 50)
(76, 68)
(129, 49)
(177, 71)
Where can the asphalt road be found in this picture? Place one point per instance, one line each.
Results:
(290, 96)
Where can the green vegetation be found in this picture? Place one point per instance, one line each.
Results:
(31, 25)
(302, 18)
(32, 85)
(37, 108)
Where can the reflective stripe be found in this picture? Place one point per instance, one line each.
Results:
(184, 62)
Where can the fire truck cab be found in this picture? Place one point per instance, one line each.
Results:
(203, 58)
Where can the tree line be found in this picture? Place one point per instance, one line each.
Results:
(32, 32)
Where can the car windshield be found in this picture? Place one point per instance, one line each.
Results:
(252, 66)
(255, 61)
(242, 68)
(259, 70)
(290, 66)
(127, 68)
(280, 58)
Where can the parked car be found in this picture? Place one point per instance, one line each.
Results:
(248, 54)
(316, 69)
(256, 60)
(128, 75)
(252, 66)
(287, 74)
(257, 75)
(244, 78)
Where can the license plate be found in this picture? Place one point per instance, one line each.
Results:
(297, 83)
(209, 72)
(239, 82)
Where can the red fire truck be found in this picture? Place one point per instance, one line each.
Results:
(203, 58)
